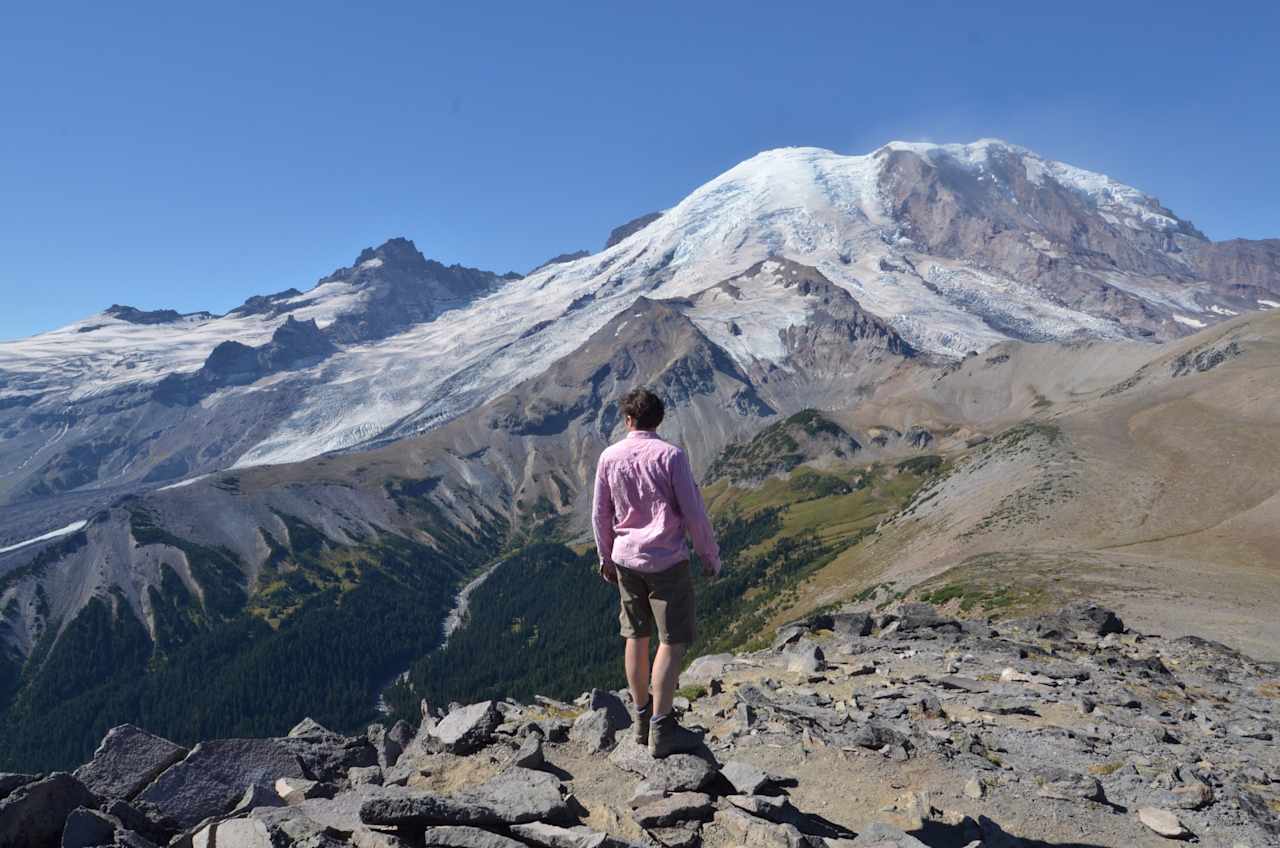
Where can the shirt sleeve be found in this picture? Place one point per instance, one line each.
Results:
(694, 512)
(602, 514)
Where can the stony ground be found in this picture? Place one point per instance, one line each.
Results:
(899, 729)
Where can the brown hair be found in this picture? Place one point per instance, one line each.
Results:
(644, 408)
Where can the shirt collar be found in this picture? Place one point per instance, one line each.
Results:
(642, 434)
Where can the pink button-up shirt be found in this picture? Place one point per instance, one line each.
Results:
(645, 501)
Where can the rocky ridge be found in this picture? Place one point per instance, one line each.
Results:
(902, 728)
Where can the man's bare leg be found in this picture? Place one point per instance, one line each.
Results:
(637, 661)
(666, 673)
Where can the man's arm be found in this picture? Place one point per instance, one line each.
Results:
(694, 512)
(602, 522)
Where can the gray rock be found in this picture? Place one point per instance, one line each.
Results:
(851, 623)
(1163, 822)
(127, 759)
(257, 795)
(675, 809)
(514, 797)
(962, 684)
(545, 835)
(241, 833)
(327, 755)
(530, 755)
(1066, 785)
(295, 790)
(363, 837)
(87, 828)
(10, 782)
(706, 667)
(644, 794)
(401, 733)
(613, 705)
(752, 832)
(365, 776)
(554, 729)
(32, 815)
(467, 729)
(594, 731)
(806, 657)
(309, 727)
(677, 837)
(916, 616)
(745, 715)
(1192, 795)
(131, 819)
(386, 748)
(676, 773)
(875, 736)
(454, 836)
(975, 788)
(1004, 705)
(1250, 729)
(1088, 618)
(745, 778)
(213, 777)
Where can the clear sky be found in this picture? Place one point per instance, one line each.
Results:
(188, 155)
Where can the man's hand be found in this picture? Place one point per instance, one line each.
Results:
(710, 570)
(608, 572)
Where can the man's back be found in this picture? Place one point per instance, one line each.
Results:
(646, 500)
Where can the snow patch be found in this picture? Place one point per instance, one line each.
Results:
(1269, 304)
(73, 527)
(1222, 310)
(1190, 322)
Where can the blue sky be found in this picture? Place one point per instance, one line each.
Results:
(190, 155)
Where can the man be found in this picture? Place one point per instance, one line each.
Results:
(645, 501)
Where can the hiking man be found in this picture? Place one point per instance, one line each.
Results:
(645, 501)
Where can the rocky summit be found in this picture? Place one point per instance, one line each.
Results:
(896, 727)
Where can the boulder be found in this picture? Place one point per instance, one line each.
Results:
(916, 616)
(327, 755)
(545, 835)
(365, 776)
(385, 748)
(875, 735)
(10, 782)
(295, 790)
(213, 777)
(745, 778)
(32, 815)
(851, 624)
(515, 796)
(675, 773)
(602, 699)
(675, 809)
(455, 836)
(806, 657)
(1163, 822)
(87, 828)
(1087, 619)
(468, 728)
(752, 832)
(594, 731)
(703, 669)
(127, 759)
(530, 755)
(363, 837)
(1066, 785)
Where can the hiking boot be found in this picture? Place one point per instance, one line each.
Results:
(666, 736)
(640, 729)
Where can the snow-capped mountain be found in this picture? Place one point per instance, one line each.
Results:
(952, 247)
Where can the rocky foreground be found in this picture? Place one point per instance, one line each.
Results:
(900, 729)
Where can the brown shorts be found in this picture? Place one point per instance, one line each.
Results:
(664, 598)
